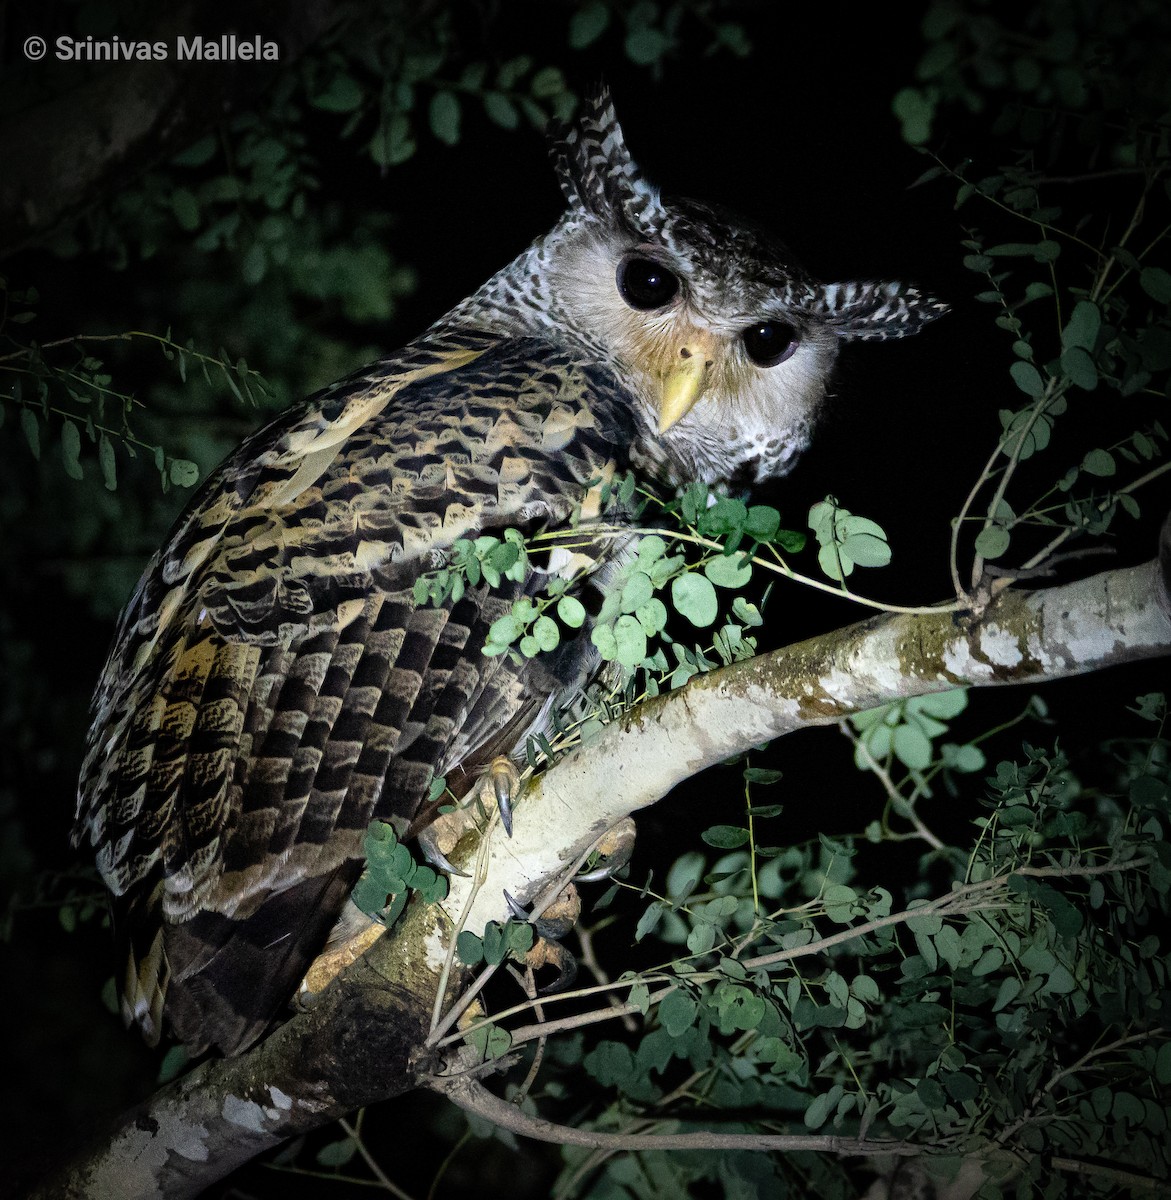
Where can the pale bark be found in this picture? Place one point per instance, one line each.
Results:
(366, 1038)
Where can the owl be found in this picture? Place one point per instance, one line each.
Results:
(274, 683)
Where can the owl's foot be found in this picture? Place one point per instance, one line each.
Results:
(351, 937)
(506, 786)
(551, 926)
(441, 835)
(613, 853)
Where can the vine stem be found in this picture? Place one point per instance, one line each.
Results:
(969, 897)
(1067, 533)
(892, 791)
(372, 1162)
(1052, 392)
(779, 567)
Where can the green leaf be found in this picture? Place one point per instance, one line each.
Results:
(652, 616)
(916, 110)
(547, 82)
(610, 1063)
(197, 153)
(588, 24)
(71, 450)
(490, 1040)
(1163, 1064)
(392, 143)
(677, 1013)
(817, 1113)
(629, 641)
(108, 463)
(746, 613)
(1079, 367)
(501, 110)
(725, 837)
(1010, 988)
(31, 428)
(701, 939)
(1156, 282)
(1082, 327)
(649, 920)
(1027, 378)
(833, 563)
(763, 523)
(646, 46)
(183, 472)
(370, 894)
(343, 95)
(546, 633)
(694, 598)
(470, 948)
(444, 117)
(186, 209)
(912, 747)
(636, 591)
(571, 611)
(254, 264)
(764, 775)
(944, 705)
(993, 541)
(729, 570)
(337, 1154)
(1100, 463)
(867, 549)
(603, 637)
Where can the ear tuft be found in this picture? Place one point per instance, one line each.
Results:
(875, 311)
(596, 172)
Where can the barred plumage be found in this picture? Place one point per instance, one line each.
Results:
(273, 684)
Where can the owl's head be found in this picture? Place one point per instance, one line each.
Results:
(725, 343)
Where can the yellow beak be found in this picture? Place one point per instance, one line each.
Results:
(683, 384)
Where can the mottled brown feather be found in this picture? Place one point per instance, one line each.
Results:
(274, 686)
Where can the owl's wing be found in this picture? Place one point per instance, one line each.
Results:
(273, 684)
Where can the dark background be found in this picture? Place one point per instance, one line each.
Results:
(799, 136)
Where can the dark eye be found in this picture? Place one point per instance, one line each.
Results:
(769, 342)
(646, 284)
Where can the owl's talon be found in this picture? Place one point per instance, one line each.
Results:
(553, 954)
(547, 951)
(429, 844)
(615, 851)
(505, 784)
(515, 907)
(556, 921)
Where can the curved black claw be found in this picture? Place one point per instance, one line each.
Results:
(556, 921)
(615, 849)
(515, 907)
(554, 954)
(429, 844)
(504, 783)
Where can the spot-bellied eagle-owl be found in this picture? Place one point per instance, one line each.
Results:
(273, 684)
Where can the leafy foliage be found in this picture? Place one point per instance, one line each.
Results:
(996, 1021)
(392, 874)
(1083, 301)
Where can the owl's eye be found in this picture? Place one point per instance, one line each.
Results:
(646, 284)
(769, 342)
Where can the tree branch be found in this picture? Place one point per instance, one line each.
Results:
(365, 1037)
(1024, 637)
(473, 1097)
